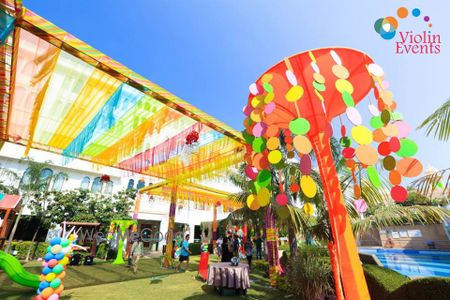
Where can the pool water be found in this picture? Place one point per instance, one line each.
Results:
(413, 263)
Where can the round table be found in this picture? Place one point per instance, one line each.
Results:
(224, 275)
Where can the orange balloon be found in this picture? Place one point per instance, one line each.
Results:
(59, 289)
(379, 136)
(409, 167)
(47, 292)
(395, 178)
(366, 155)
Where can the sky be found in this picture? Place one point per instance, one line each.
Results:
(208, 52)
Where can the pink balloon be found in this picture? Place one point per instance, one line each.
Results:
(259, 129)
(251, 172)
(269, 108)
(53, 297)
(282, 199)
(52, 263)
(247, 110)
(403, 129)
(305, 164)
(44, 264)
(360, 205)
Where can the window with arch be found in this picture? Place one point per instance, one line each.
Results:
(130, 184)
(109, 187)
(44, 178)
(26, 177)
(96, 185)
(85, 183)
(59, 182)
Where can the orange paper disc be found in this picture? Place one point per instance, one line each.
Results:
(366, 155)
(302, 144)
(409, 167)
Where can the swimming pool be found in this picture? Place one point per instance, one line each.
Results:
(413, 263)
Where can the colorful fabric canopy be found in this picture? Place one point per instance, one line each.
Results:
(62, 95)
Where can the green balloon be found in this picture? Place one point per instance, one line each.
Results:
(65, 243)
(55, 283)
(49, 249)
(264, 178)
(348, 99)
(375, 122)
(408, 148)
(373, 176)
(319, 86)
(247, 137)
(299, 126)
(58, 269)
(259, 144)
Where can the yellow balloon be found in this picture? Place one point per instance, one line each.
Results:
(263, 196)
(252, 202)
(50, 276)
(362, 135)
(273, 143)
(295, 93)
(302, 144)
(308, 186)
(275, 156)
(64, 261)
(343, 85)
(308, 208)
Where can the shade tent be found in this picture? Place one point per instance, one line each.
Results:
(61, 95)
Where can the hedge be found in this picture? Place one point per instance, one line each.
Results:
(433, 288)
(382, 281)
(23, 247)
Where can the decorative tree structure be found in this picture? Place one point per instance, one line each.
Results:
(293, 104)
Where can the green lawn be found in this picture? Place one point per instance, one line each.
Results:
(107, 281)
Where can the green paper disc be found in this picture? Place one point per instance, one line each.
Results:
(283, 212)
(397, 116)
(318, 86)
(408, 148)
(375, 122)
(264, 178)
(373, 176)
(348, 99)
(259, 144)
(268, 87)
(345, 141)
(299, 126)
(247, 137)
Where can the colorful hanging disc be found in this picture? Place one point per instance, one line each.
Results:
(283, 212)
(252, 202)
(373, 176)
(319, 86)
(273, 143)
(299, 126)
(399, 193)
(379, 136)
(291, 77)
(389, 163)
(357, 191)
(269, 98)
(384, 148)
(259, 129)
(403, 129)
(268, 87)
(395, 178)
(282, 199)
(385, 116)
(375, 70)
(251, 172)
(374, 110)
(256, 115)
(366, 155)
(340, 71)
(409, 167)
(294, 188)
(362, 135)
(259, 144)
(394, 144)
(269, 108)
(348, 99)
(308, 186)
(319, 78)
(273, 131)
(264, 178)
(275, 156)
(308, 208)
(397, 116)
(360, 205)
(353, 116)
(343, 85)
(345, 141)
(305, 164)
(302, 144)
(263, 196)
(295, 93)
(375, 122)
(348, 152)
(408, 148)
(390, 130)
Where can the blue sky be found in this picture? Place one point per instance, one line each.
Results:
(208, 52)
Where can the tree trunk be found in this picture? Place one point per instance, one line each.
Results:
(292, 242)
(33, 239)
(13, 231)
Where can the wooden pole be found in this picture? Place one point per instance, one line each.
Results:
(214, 227)
(169, 238)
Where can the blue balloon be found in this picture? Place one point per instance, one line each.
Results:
(49, 256)
(46, 270)
(38, 291)
(55, 241)
(59, 256)
(43, 285)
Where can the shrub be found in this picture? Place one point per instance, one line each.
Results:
(195, 248)
(310, 275)
(382, 281)
(23, 247)
(434, 288)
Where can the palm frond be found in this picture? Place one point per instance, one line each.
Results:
(427, 185)
(438, 123)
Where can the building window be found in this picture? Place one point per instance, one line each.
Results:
(59, 181)
(140, 184)
(130, 184)
(109, 187)
(44, 178)
(85, 183)
(96, 185)
(26, 177)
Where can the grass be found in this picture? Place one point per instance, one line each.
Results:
(107, 281)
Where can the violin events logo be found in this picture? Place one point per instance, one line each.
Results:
(409, 42)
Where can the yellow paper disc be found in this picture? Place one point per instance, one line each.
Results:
(263, 196)
(273, 143)
(390, 130)
(266, 78)
(343, 85)
(319, 78)
(269, 98)
(366, 155)
(308, 186)
(256, 115)
(308, 208)
(275, 156)
(295, 93)
(340, 71)
(252, 202)
(256, 101)
(386, 96)
(302, 144)
(362, 135)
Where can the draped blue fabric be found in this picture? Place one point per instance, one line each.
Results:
(6, 26)
(123, 99)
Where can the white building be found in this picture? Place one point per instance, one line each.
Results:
(153, 212)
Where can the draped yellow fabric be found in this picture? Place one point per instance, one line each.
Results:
(93, 96)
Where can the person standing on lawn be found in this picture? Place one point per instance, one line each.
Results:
(137, 250)
(249, 252)
(227, 247)
(258, 243)
(185, 252)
